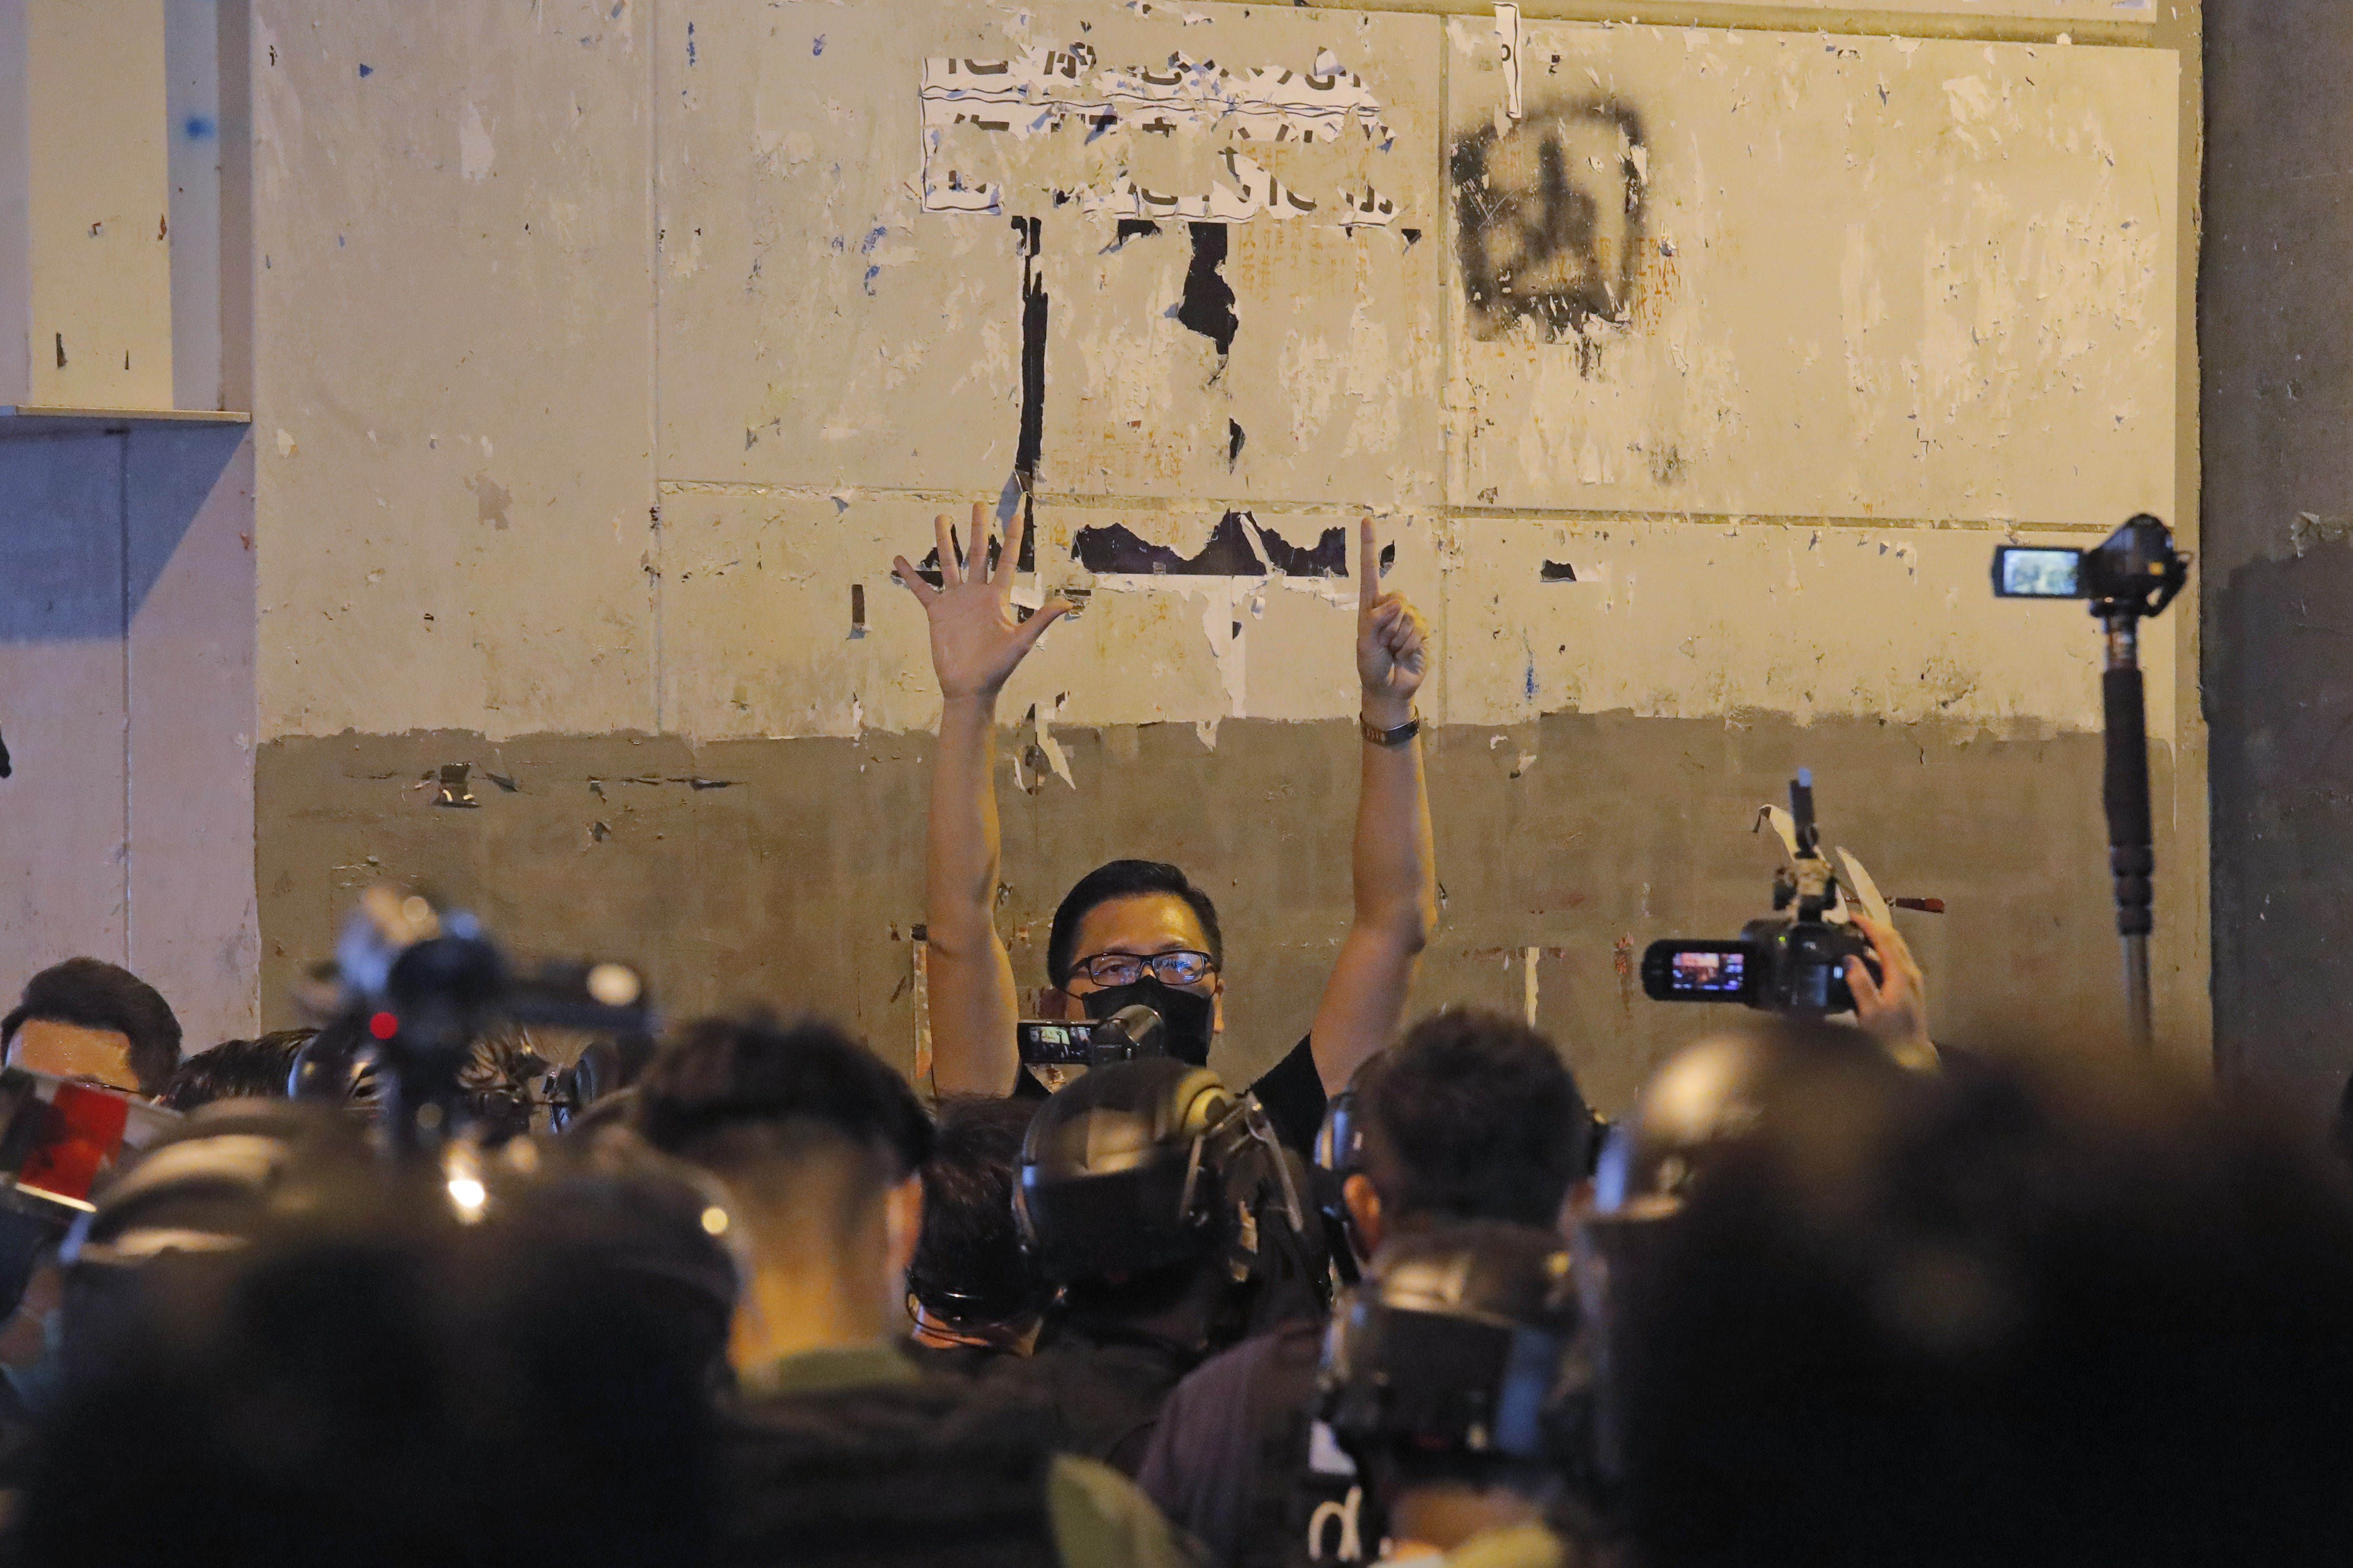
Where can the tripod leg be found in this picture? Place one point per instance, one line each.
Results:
(2125, 793)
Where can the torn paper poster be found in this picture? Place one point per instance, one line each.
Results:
(1507, 40)
(974, 111)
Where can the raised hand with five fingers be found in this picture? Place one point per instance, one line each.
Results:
(977, 641)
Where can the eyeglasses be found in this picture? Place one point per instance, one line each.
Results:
(1182, 967)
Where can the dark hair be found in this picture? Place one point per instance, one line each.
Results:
(291, 1402)
(238, 1069)
(1125, 880)
(2018, 1314)
(751, 1070)
(95, 995)
(1474, 1116)
(969, 1266)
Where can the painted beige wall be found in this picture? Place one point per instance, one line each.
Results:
(86, 262)
(595, 362)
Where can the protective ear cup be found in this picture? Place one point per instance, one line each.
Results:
(1204, 1101)
(1339, 1143)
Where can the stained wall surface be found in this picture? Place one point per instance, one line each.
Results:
(127, 714)
(605, 353)
(2278, 312)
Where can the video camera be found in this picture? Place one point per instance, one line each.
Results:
(1793, 960)
(416, 986)
(2135, 569)
(1056, 1051)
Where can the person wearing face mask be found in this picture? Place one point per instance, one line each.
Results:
(1137, 930)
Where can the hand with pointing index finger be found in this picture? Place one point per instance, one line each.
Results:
(1392, 639)
(977, 641)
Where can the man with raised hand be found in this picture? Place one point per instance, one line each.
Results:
(1138, 930)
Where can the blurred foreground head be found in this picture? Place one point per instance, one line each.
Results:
(2003, 1314)
(293, 1352)
(818, 1143)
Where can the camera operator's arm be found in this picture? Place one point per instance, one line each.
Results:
(976, 644)
(1395, 868)
(1893, 1009)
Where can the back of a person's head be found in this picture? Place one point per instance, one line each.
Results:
(371, 1384)
(753, 1099)
(95, 995)
(238, 1069)
(1473, 1116)
(969, 1266)
(2002, 1315)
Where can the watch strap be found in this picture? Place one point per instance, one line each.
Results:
(1399, 736)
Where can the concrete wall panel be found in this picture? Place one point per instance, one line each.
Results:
(794, 874)
(62, 879)
(1814, 276)
(2277, 574)
(1950, 303)
(194, 930)
(1677, 620)
(844, 333)
(453, 371)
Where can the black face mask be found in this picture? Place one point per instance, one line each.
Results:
(1185, 1017)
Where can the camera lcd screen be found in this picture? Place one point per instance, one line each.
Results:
(2022, 573)
(1711, 974)
(1043, 1042)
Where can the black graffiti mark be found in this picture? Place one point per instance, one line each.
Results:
(1239, 546)
(6, 767)
(1549, 217)
(1117, 549)
(1234, 439)
(1556, 572)
(1132, 228)
(1033, 354)
(1208, 306)
(1327, 557)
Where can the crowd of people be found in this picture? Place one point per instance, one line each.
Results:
(1828, 1293)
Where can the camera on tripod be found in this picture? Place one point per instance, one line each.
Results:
(2135, 567)
(1793, 960)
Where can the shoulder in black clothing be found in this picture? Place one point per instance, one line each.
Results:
(1293, 1092)
(919, 1472)
(1105, 1390)
(958, 1360)
(1235, 1460)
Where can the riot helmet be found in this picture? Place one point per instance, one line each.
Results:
(1464, 1342)
(1146, 1165)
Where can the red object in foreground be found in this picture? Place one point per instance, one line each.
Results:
(82, 1130)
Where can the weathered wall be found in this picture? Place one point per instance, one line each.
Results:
(606, 352)
(794, 871)
(2277, 314)
(127, 544)
(127, 711)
